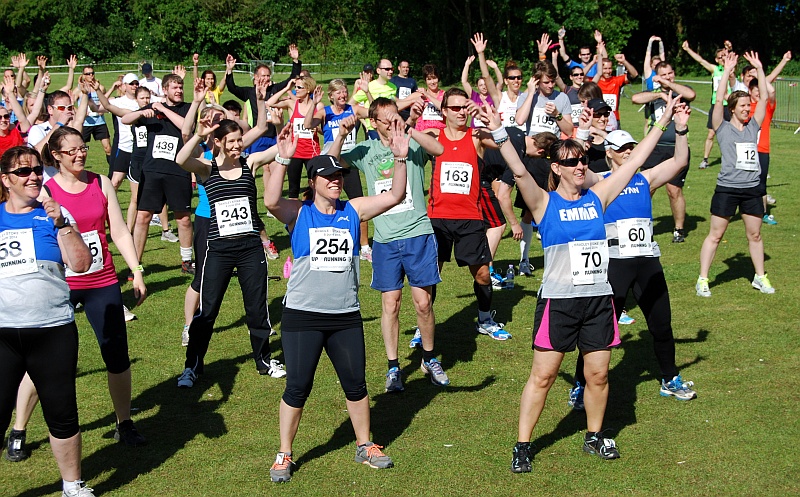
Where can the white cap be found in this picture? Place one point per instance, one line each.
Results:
(129, 78)
(618, 139)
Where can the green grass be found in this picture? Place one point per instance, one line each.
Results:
(740, 348)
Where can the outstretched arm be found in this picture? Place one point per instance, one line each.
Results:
(703, 62)
(761, 107)
(777, 71)
(285, 210)
(465, 75)
(717, 114)
(659, 175)
(480, 47)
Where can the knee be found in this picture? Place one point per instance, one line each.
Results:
(675, 193)
(391, 306)
(482, 276)
(754, 236)
(296, 393)
(542, 379)
(64, 425)
(355, 392)
(596, 377)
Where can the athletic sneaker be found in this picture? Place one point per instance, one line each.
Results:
(168, 236)
(82, 491)
(701, 287)
(16, 446)
(771, 200)
(129, 316)
(703, 164)
(625, 319)
(769, 219)
(493, 329)
(282, 468)
(394, 380)
(366, 254)
(185, 336)
(155, 221)
(681, 390)
(187, 267)
(498, 282)
(417, 340)
(521, 458)
(187, 379)
(274, 369)
(526, 268)
(762, 283)
(371, 455)
(434, 368)
(678, 236)
(272, 250)
(576, 397)
(597, 444)
(128, 434)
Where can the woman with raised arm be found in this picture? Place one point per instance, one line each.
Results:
(574, 305)
(321, 307)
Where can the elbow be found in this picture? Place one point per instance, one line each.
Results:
(81, 262)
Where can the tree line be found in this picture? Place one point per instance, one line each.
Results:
(365, 30)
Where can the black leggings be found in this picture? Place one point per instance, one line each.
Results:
(224, 254)
(295, 172)
(103, 308)
(645, 276)
(302, 350)
(50, 357)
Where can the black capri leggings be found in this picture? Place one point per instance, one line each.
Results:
(645, 276)
(302, 350)
(295, 171)
(50, 356)
(103, 307)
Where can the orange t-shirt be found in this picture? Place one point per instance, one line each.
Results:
(763, 133)
(611, 88)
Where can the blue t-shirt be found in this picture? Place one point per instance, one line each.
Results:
(44, 231)
(203, 208)
(589, 74)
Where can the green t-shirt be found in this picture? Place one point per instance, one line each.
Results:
(716, 79)
(409, 218)
(389, 90)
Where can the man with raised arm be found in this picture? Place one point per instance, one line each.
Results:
(587, 63)
(612, 85)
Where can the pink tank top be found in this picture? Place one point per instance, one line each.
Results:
(308, 141)
(89, 208)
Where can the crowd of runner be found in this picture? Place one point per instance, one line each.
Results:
(584, 186)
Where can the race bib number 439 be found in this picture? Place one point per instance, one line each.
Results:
(17, 253)
(455, 177)
(331, 249)
(588, 260)
(165, 147)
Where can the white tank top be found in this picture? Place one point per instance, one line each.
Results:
(508, 111)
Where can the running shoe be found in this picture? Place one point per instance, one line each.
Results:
(521, 458)
(394, 380)
(703, 164)
(603, 447)
(417, 340)
(187, 379)
(701, 287)
(16, 446)
(771, 200)
(168, 236)
(493, 329)
(129, 316)
(498, 282)
(435, 370)
(681, 390)
(678, 236)
(81, 491)
(155, 221)
(366, 254)
(371, 455)
(128, 434)
(275, 369)
(625, 319)
(282, 468)
(185, 336)
(769, 219)
(526, 268)
(187, 267)
(576, 397)
(762, 284)
(272, 250)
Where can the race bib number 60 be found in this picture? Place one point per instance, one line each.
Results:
(331, 249)
(17, 253)
(588, 260)
(635, 237)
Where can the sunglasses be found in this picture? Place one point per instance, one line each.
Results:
(456, 108)
(573, 162)
(89, 73)
(5, 117)
(62, 108)
(24, 172)
(512, 78)
(386, 68)
(576, 74)
(624, 148)
(134, 83)
(74, 151)
(603, 113)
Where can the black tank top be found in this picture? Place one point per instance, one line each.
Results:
(233, 204)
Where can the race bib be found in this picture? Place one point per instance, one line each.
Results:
(747, 156)
(611, 100)
(715, 82)
(658, 111)
(509, 115)
(455, 177)
(656, 85)
(331, 249)
(298, 125)
(17, 253)
(234, 216)
(92, 240)
(384, 185)
(576, 112)
(165, 147)
(542, 122)
(349, 140)
(141, 136)
(403, 92)
(431, 113)
(635, 237)
(588, 260)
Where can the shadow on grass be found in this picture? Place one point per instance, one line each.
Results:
(665, 224)
(179, 417)
(739, 266)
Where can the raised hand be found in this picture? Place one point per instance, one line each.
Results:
(346, 125)
(752, 58)
(317, 95)
(562, 33)
(286, 144)
(230, 62)
(681, 115)
(180, 71)
(787, 56)
(9, 87)
(469, 61)
(199, 93)
(41, 61)
(543, 43)
(22, 61)
(399, 139)
(491, 64)
(261, 90)
(196, 59)
(72, 62)
(478, 42)
(619, 57)
(294, 53)
(730, 61)
(205, 127)
(598, 36)
(685, 45)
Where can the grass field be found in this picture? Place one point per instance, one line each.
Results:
(219, 438)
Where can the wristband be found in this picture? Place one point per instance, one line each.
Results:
(582, 134)
(280, 160)
(559, 117)
(682, 132)
(542, 57)
(139, 268)
(408, 128)
(660, 126)
(500, 142)
(400, 159)
(65, 233)
(59, 123)
(499, 134)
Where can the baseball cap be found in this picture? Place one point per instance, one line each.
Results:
(129, 78)
(324, 165)
(147, 68)
(597, 104)
(368, 67)
(618, 139)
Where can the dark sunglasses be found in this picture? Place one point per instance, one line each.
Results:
(603, 113)
(386, 68)
(574, 161)
(456, 108)
(576, 74)
(512, 78)
(24, 172)
(624, 148)
(89, 73)
(5, 117)
(134, 83)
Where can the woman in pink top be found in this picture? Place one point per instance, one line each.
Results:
(432, 98)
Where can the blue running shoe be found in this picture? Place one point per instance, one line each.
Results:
(681, 390)
(576, 397)
(417, 340)
(625, 319)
